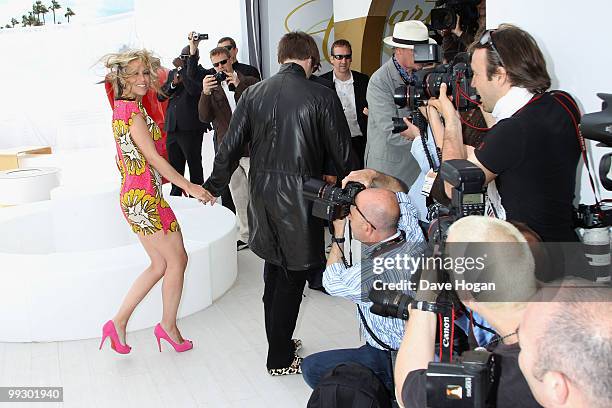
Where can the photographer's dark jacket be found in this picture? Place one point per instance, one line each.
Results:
(182, 111)
(215, 108)
(290, 125)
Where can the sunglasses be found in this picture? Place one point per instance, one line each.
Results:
(222, 62)
(341, 57)
(487, 39)
(364, 217)
(184, 56)
(228, 47)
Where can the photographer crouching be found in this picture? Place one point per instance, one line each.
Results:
(478, 378)
(382, 218)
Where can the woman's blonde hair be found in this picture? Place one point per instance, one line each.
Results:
(117, 64)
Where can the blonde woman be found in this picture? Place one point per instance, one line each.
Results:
(131, 74)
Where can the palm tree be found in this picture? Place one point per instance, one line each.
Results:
(42, 9)
(36, 11)
(69, 13)
(24, 20)
(14, 21)
(33, 20)
(54, 6)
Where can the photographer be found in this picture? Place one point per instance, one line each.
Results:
(184, 129)
(220, 94)
(566, 345)
(386, 151)
(530, 155)
(383, 219)
(512, 272)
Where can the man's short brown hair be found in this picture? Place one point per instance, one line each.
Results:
(220, 50)
(341, 43)
(298, 45)
(230, 39)
(520, 57)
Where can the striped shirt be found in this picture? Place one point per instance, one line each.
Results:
(353, 283)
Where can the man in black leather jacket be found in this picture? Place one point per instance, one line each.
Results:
(291, 125)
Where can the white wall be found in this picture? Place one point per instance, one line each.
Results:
(574, 37)
(49, 73)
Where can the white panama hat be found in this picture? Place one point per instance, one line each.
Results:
(408, 33)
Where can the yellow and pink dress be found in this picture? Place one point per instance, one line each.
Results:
(142, 202)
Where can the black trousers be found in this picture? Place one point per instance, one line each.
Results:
(358, 143)
(226, 196)
(282, 298)
(186, 146)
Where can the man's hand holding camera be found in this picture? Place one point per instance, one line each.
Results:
(208, 84)
(232, 79)
(194, 41)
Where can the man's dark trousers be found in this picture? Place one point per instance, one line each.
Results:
(186, 145)
(282, 298)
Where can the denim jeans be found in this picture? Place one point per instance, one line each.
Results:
(315, 366)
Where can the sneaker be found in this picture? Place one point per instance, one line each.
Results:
(294, 368)
(240, 245)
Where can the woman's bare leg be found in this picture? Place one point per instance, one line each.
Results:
(175, 256)
(143, 284)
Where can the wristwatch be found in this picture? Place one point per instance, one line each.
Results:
(338, 240)
(432, 307)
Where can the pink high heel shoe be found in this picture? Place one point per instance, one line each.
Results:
(109, 330)
(160, 333)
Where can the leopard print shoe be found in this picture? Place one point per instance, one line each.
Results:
(297, 345)
(294, 368)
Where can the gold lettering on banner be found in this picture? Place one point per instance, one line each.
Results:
(403, 15)
(326, 31)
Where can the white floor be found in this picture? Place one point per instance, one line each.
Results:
(226, 368)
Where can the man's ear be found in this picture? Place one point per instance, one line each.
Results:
(502, 74)
(556, 387)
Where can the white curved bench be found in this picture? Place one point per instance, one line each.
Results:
(57, 286)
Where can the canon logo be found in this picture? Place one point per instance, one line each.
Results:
(446, 331)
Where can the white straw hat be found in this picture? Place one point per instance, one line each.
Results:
(408, 33)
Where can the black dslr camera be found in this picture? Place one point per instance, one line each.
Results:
(220, 76)
(466, 383)
(330, 202)
(598, 126)
(444, 15)
(457, 75)
(467, 198)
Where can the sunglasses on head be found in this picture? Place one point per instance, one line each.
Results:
(487, 39)
(222, 62)
(341, 57)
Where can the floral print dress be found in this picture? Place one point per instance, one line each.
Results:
(142, 202)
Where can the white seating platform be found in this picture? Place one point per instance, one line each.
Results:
(67, 263)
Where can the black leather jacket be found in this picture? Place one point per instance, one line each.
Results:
(291, 125)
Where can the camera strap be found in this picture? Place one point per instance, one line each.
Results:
(371, 333)
(446, 324)
(387, 246)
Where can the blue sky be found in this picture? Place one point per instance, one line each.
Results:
(84, 9)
